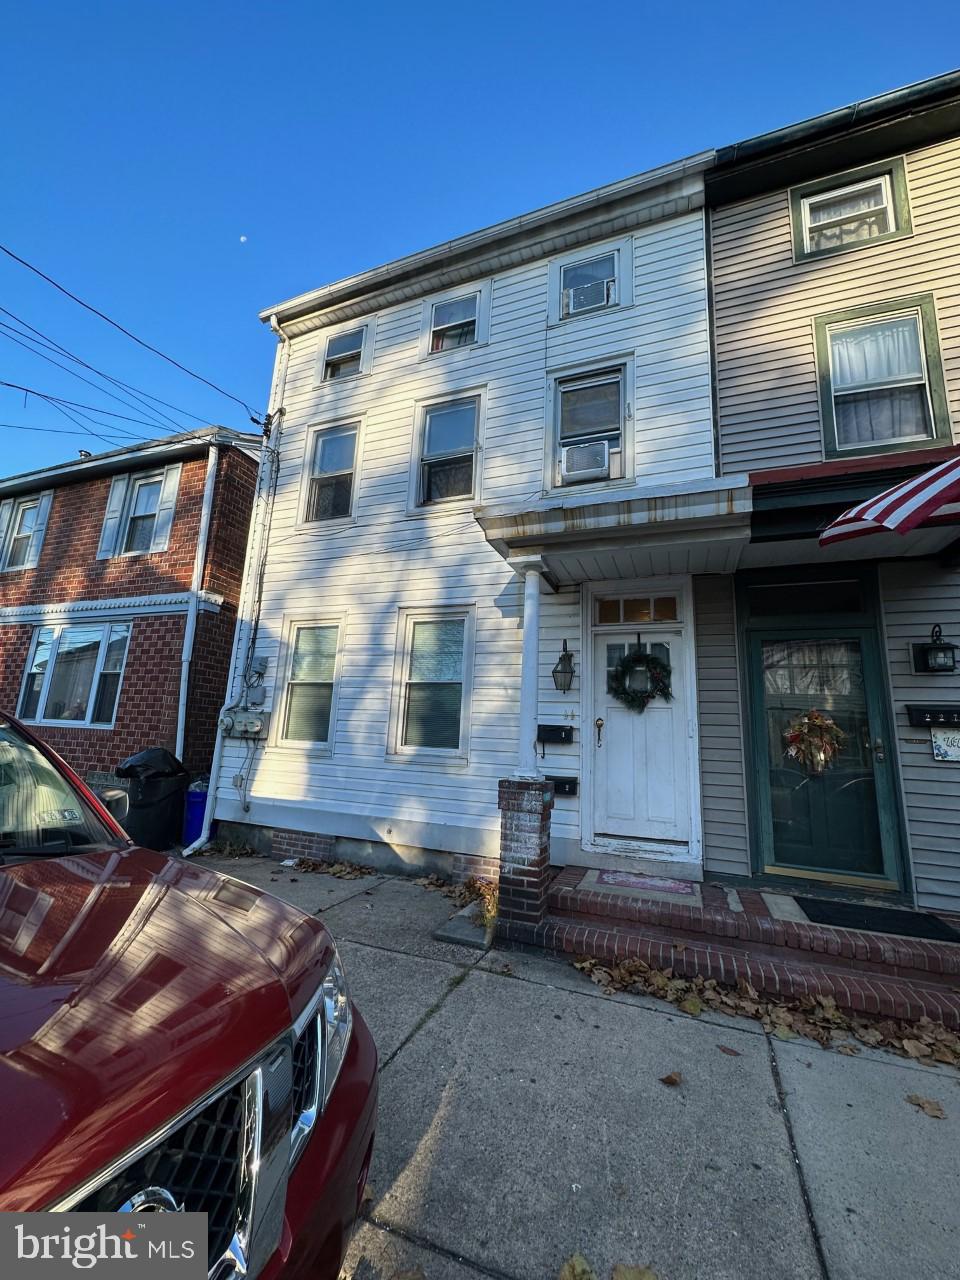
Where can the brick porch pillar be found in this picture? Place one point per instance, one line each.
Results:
(525, 806)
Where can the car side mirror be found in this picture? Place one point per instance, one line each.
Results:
(116, 801)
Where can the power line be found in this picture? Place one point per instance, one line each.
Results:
(52, 344)
(71, 418)
(50, 431)
(132, 336)
(8, 332)
(43, 395)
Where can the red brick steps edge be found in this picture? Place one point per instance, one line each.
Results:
(874, 949)
(856, 991)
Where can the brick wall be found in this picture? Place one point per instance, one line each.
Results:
(227, 539)
(209, 670)
(147, 709)
(69, 568)
(302, 844)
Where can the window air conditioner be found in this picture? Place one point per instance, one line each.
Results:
(585, 461)
(587, 297)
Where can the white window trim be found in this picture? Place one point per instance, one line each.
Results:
(405, 623)
(461, 503)
(292, 622)
(140, 478)
(482, 289)
(366, 327)
(551, 460)
(59, 628)
(19, 506)
(356, 422)
(833, 193)
(860, 446)
(623, 249)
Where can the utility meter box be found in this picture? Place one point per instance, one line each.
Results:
(246, 724)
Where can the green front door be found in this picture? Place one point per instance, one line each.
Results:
(836, 818)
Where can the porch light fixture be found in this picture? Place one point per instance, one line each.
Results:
(936, 657)
(563, 671)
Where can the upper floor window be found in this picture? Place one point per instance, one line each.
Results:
(23, 523)
(590, 414)
(74, 674)
(139, 513)
(308, 709)
(330, 492)
(344, 354)
(881, 379)
(591, 280)
(850, 210)
(448, 450)
(454, 323)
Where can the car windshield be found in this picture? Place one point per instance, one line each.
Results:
(41, 815)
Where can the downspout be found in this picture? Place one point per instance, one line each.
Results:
(269, 464)
(196, 586)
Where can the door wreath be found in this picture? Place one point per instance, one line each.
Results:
(658, 676)
(813, 740)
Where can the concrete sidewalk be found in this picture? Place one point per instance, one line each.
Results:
(523, 1119)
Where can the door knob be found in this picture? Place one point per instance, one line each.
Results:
(599, 723)
(879, 752)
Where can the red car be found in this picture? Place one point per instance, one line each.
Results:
(170, 1038)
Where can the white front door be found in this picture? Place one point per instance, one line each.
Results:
(640, 759)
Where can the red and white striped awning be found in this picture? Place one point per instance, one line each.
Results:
(933, 497)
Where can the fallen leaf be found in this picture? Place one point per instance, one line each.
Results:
(576, 1267)
(784, 1033)
(848, 1050)
(620, 1272)
(929, 1106)
(731, 1053)
(673, 1079)
(916, 1049)
(691, 1005)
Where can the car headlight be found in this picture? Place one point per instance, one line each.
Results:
(337, 1024)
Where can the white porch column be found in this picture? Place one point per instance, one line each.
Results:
(527, 766)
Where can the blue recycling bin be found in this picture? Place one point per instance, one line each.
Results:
(195, 803)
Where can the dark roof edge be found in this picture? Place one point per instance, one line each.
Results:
(913, 97)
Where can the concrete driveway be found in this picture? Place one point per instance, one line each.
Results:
(523, 1119)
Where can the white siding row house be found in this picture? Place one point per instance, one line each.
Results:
(507, 449)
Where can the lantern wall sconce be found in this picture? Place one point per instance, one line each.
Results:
(563, 671)
(936, 657)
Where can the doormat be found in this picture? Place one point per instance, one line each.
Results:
(656, 887)
(852, 915)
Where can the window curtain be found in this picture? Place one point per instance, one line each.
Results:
(863, 360)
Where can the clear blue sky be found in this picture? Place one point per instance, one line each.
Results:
(143, 140)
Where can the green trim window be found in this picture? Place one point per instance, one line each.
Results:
(850, 210)
(881, 379)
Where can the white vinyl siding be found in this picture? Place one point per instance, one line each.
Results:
(765, 304)
(399, 556)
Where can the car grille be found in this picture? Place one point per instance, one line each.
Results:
(201, 1164)
(306, 1066)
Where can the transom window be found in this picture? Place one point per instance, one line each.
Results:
(588, 285)
(433, 685)
(343, 354)
(616, 610)
(590, 426)
(454, 323)
(330, 495)
(309, 694)
(75, 674)
(850, 210)
(449, 446)
(22, 526)
(142, 515)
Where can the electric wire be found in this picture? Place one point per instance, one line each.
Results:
(75, 404)
(127, 332)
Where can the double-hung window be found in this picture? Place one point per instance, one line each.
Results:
(75, 673)
(449, 449)
(343, 354)
(308, 709)
(881, 380)
(23, 523)
(454, 323)
(139, 514)
(142, 514)
(849, 211)
(433, 685)
(589, 285)
(332, 469)
(589, 414)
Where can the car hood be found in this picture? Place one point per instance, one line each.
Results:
(130, 985)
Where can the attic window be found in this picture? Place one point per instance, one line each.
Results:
(344, 354)
(454, 323)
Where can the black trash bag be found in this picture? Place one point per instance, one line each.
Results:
(157, 783)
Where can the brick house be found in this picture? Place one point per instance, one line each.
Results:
(120, 576)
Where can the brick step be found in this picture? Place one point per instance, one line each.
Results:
(770, 970)
(915, 957)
